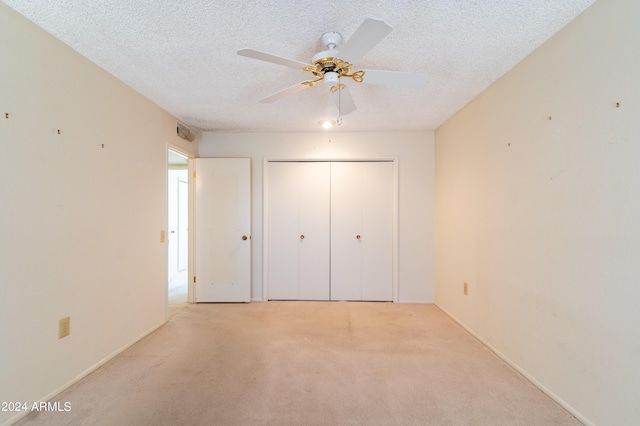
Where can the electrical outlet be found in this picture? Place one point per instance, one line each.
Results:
(466, 288)
(64, 327)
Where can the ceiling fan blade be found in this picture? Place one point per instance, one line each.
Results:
(284, 93)
(268, 57)
(344, 101)
(370, 33)
(407, 80)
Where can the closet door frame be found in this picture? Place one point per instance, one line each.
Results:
(265, 215)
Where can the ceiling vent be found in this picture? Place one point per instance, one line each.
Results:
(184, 132)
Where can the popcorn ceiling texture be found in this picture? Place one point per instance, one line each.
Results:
(182, 54)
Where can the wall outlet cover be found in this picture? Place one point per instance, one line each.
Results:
(64, 327)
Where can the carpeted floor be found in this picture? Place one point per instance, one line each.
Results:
(306, 363)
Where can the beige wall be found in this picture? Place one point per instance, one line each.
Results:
(415, 169)
(79, 224)
(537, 208)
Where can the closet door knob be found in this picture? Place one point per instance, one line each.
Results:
(244, 238)
(358, 237)
(302, 237)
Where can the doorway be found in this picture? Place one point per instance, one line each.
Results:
(178, 230)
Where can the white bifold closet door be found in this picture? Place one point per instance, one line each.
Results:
(299, 208)
(361, 231)
(330, 230)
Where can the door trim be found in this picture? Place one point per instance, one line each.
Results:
(265, 215)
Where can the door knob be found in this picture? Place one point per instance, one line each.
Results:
(302, 237)
(358, 237)
(244, 238)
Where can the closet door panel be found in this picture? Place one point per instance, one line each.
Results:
(283, 227)
(361, 231)
(377, 231)
(346, 248)
(298, 212)
(314, 225)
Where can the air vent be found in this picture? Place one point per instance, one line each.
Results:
(184, 132)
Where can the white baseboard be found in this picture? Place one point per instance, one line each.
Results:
(417, 302)
(520, 370)
(85, 373)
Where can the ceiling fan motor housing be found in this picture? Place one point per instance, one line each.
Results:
(331, 39)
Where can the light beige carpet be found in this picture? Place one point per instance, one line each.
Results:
(306, 363)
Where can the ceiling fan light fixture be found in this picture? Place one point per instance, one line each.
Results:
(331, 78)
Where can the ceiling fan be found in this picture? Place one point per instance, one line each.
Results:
(337, 61)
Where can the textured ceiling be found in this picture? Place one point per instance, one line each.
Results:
(182, 54)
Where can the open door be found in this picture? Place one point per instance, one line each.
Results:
(222, 225)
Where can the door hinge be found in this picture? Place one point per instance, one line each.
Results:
(194, 174)
(194, 278)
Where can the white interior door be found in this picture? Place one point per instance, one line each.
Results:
(183, 224)
(362, 231)
(298, 230)
(172, 203)
(222, 230)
